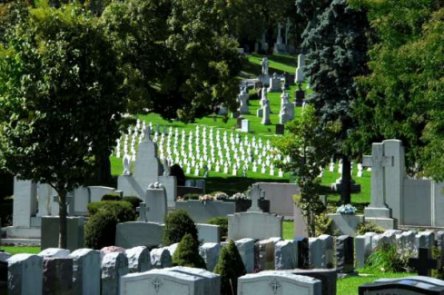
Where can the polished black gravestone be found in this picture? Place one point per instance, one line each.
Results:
(410, 285)
(280, 128)
(424, 263)
(302, 246)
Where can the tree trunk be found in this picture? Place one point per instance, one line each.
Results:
(346, 181)
(103, 170)
(62, 219)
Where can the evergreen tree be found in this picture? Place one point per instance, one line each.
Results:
(230, 267)
(177, 224)
(187, 253)
(336, 45)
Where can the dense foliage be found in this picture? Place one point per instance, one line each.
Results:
(100, 230)
(187, 253)
(230, 267)
(177, 224)
(309, 150)
(60, 99)
(336, 44)
(402, 97)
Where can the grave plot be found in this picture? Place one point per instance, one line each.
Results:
(204, 150)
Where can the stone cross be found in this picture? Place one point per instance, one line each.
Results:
(424, 263)
(255, 194)
(142, 211)
(275, 286)
(377, 161)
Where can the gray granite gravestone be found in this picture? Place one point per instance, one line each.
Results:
(136, 233)
(25, 274)
(210, 253)
(139, 259)
(285, 255)
(246, 250)
(160, 258)
(114, 265)
(278, 282)
(86, 272)
(57, 275)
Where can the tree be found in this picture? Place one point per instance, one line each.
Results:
(178, 224)
(60, 99)
(230, 267)
(187, 253)
(309, 149)
(336, 45)
(178, 55)
(402, 95)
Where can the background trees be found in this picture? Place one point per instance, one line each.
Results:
(60, 99)
(402, 97)
(336, 45)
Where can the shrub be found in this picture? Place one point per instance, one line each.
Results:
(187, 253)
(177, 224)
(387, 258)
(122, 210)
(323, 225)
(223, 223)
(100, 230)
(134, 201)
(365, 227)
(111, 197)
(230, 267)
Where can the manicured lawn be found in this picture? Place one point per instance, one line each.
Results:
(19, 249)
(349, 285)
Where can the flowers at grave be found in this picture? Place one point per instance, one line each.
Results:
(239, 196)
(347, 209)
(220, 196)
(205, 198)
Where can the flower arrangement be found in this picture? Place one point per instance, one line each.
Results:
(220, 196)
(347, 209)
(205, 198)
(239, 196)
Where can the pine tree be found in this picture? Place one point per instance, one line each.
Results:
(187, 253)
(230, 267)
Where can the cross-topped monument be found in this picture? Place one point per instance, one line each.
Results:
(378, 211)
(255, 194)
(377, 161)
(424, 263)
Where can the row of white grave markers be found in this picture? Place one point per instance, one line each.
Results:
(206, 149)
(359, 168)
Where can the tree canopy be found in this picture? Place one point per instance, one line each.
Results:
(336, 44)
(60, 98)
(402, 96)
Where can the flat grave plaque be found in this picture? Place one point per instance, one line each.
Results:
(405, 286)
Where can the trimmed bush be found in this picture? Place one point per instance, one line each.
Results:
(100, 230)
(177, 224)
(111, 197)
(187, 253)
(230, 267)
(134, 201)
(366, 227)
(222, 222)
(122, 210)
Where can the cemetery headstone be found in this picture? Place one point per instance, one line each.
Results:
(344, 254)
(57, 275)
(328, 277)
(160, 258)
(50, 232)
(424, 263)
(285, 255)
(403, 286)
(135, 233)
(157, 202)
(210, 253)
(114, 265)
(25, 274)
(278, 282)
(139, 259)
(302, 250)
(246, 250)
(86, 272)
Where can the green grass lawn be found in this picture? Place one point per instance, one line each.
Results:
(20, 249)
(349, 285)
